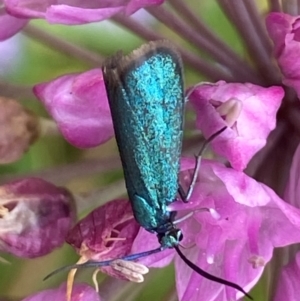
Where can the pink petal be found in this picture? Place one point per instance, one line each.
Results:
(65, 14)
(26, 8)
(79, 12)
(253, 221)
(78, 103)
(10, 26)
(74, 12)
(285, 32)
(81, 292)
(248, 134)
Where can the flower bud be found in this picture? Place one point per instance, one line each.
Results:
(35, 217)
(19, 129)
(78, 103)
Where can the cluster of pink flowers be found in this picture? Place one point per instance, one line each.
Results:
(253, 219)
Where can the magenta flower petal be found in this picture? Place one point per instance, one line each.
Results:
(35, 217)
(78, 103)
(253, 221)
(254, 116)
(288, 283)
(26, 8)
(284, 30)
(70, 15)
(106, 233)
(76, 12)
(81, 292)
(10, 25)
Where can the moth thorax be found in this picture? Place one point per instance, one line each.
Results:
(170, 239)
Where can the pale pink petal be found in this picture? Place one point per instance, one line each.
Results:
(253, 221)
(254, 121)
(79, 105)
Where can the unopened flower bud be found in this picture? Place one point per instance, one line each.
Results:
(78, 104)
(19, 129)
(35, 217)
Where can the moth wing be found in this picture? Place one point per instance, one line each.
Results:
(147, 105)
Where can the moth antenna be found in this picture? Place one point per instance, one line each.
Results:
(97, 264)
(209, 276)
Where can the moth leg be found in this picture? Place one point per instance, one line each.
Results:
(185, 196)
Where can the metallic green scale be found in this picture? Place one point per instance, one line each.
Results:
(146, 98)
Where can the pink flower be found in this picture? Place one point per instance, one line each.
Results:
(9, 25)
(79, 105)
(106, 233)
(81, 292)
(253, 221)
(284, 30)
(35, 217)
(76, 12)
(247, 110)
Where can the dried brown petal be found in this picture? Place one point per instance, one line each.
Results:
(19, 129)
